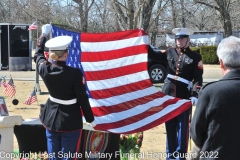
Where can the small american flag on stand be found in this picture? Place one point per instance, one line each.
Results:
(32, 98)
(33, 26)
(10, 88)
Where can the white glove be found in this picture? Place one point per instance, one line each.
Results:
(194, 100)
(92, 124)
(46, 29)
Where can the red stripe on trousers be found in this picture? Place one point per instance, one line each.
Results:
(78, 143)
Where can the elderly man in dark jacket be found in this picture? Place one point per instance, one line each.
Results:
(215, 126)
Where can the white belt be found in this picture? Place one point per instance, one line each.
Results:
(65, 102)
(177, 78)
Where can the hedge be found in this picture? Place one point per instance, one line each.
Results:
(208, 53)
(195, 49)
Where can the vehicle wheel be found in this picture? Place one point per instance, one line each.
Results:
(157, 73)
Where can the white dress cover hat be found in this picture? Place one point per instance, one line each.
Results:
(182, 32)
(59, 43)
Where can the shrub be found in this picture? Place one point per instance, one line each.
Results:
(195, 49)
(209, 55)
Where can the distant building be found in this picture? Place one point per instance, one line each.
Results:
(203, 38)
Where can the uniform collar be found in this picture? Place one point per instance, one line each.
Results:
(61, 63)
(184, 49)
(234, 73)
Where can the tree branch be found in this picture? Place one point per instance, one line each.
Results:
(87, 10)
(151, 22)
(120, 15)
(137, 14)
(206, 4)
(115, 1)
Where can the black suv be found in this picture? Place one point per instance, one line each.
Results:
(156, 68)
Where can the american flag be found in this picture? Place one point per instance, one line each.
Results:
(33, 26)
(120, 92)
(10, 88)
(32, 98)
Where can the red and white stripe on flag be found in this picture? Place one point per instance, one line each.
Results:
(10, 89)
(33, 26)
(32, 98)
(123, 98)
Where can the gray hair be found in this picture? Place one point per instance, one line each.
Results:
(229, 52)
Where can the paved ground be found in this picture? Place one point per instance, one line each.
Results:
(211, 73)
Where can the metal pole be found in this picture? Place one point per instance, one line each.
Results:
(37, 86)
(0, 48)
(30, 50)
(9, 58)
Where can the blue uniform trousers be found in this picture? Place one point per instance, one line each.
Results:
(63, 145)
(177, 136)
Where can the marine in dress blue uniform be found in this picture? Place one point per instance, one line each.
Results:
(184, 68)
(61, 115)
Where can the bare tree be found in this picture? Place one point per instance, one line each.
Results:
(182, 14)
(26, 11)
(3, 11)
(133, 14)
(222, 9)
(112, 15)
(200, 17)
(174, 23)
(102, 18)
(156, 25)
(235, 15)
(83, 9)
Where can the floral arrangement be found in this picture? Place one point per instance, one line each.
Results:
(36, 156)
(130, 143)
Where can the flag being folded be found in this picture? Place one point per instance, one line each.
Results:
(33, 26)
(32, 98)
(121, 95)
(10, 88)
